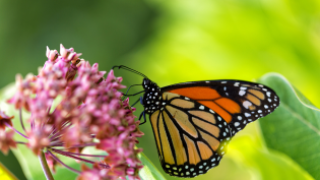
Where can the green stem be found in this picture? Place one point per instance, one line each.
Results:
(45, 166)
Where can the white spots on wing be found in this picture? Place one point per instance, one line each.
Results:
(225, 88)
(264, 89)
(210, 110)
(239, 117)
(163, 103)
(268, 93)
(236, 84)
(223, 82)
(156, 93)
(201, 107)
(219, 118)
(227, 94)
(186, 98)
(246, 104)
(152, 89)
(242, 92)
(259, 111)
(260, 85)
(236, 124)
(207, 82)
(247, 114)
(269, 100)
(244, 122)
(266, 106)
(224, 134)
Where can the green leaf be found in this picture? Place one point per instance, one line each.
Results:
(294, 127)
(149, 171)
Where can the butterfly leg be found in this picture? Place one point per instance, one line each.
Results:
(144, 117)
(125, 95)
(135, 102)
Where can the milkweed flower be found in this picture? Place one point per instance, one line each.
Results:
(73, 107)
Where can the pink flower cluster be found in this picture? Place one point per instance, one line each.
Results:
(72, 107)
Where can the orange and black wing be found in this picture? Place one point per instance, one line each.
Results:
(237, 102)
(190, 137)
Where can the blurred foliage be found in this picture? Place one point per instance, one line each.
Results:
(175, 41)
(293, 128)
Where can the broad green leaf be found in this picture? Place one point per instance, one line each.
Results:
(149, 171)
(294, 127)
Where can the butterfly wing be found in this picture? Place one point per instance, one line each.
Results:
(190, 137)
(237, 102)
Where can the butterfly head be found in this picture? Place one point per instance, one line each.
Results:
(152, 96)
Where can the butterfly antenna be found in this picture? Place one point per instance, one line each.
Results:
(131, 70)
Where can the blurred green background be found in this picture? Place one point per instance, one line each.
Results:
(176, 41)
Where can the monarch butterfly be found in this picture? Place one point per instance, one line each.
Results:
(193, 121)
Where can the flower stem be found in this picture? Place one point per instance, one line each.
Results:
(8, 125)
(45, 166)
(21, 121)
